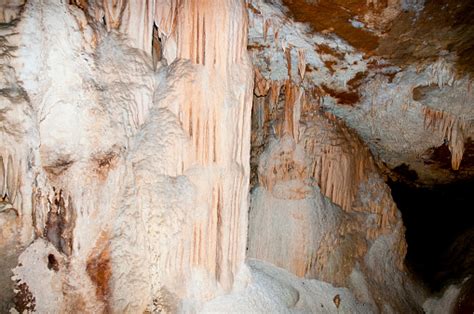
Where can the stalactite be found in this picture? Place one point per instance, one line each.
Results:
(12, 173)
(275, 33)
(266, 25)
(113, 13)
(301, 63)
(339, 177)
(2, 178)
(137, 23)
(288, 60)
(450, 128)
(218, 133)
(203, 48)
(261, 84)
(165, 16)
(442, 73)
(292, 112)
(275, 87)
(316, 148)
(339, 163)
(10, 183)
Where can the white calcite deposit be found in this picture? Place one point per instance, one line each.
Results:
(126, 132)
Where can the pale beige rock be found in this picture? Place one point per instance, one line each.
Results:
(141, 179)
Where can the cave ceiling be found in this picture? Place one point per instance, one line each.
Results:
(398, 73)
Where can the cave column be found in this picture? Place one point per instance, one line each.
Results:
(216, 116)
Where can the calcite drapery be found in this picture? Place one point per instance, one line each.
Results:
(451, 128)
(218, 158)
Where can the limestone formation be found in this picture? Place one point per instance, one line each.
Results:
(130, 179)
(219, 156)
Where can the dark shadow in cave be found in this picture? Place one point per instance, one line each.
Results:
(439, 231)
